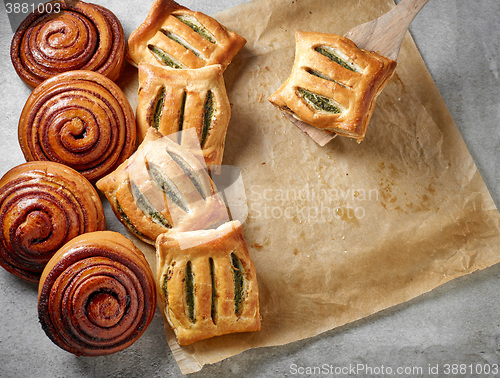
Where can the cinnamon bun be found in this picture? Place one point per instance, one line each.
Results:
(81, 119)
(69, 35)
(96, 295)
(43, 205)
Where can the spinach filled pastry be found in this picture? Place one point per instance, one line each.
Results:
(176, 37)
(177, 100)
(333, 84)
(163, 186)
(206, 282)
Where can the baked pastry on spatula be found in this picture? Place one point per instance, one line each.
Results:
(334, 84)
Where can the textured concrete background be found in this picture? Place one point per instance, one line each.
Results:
(457, 323)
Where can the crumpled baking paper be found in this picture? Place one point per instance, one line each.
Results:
(340, 232)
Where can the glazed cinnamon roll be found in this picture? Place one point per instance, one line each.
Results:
(80, 119)
(96, 295)
(69, 35)
(43, 205)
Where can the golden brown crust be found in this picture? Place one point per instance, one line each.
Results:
(80, 37)
(177, 100)
(164, 29)
(81, 119)
(349, 94)
(43, 205)
(96, 295)
(162, 186)
(189, 264)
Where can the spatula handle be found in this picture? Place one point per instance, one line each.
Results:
(385, 34)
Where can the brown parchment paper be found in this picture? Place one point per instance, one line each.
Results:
(342, 231)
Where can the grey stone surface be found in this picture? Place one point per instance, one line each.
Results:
(457, 323)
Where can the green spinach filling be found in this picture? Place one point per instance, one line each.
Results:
(197, 27)
(168, 187)
(190, 292)
(319, 102)
(181, 42)
(213, 310)
(158, 108)
(128, 222)
(208, 114)
(190, 173)
(323, 76)
(334, 58)
(145, 206)
(182, 110)
(164, 286)
(164, 58)
(239, 282)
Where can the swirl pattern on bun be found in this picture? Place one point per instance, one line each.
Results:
(80, 119)
(43, 205)
(96, 295)
(68, 35)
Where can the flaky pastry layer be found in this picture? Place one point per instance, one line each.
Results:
(172, 101)
(162, 187)
(207, 283)
(176, 37)
(333, 84)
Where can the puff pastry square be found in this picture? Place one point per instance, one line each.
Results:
(333, 84)
(163, 186)
(177, 100)
(207, 283)
(176, 37)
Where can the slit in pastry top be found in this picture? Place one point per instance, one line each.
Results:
(319, 102)
(338, 57)
(240, 281)
(190, 293)
(164, 58)
(193, 23)
(209, 113)
(183, 43)
(157, 109)
(168, 187)
(147, 208)
(190, 173)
